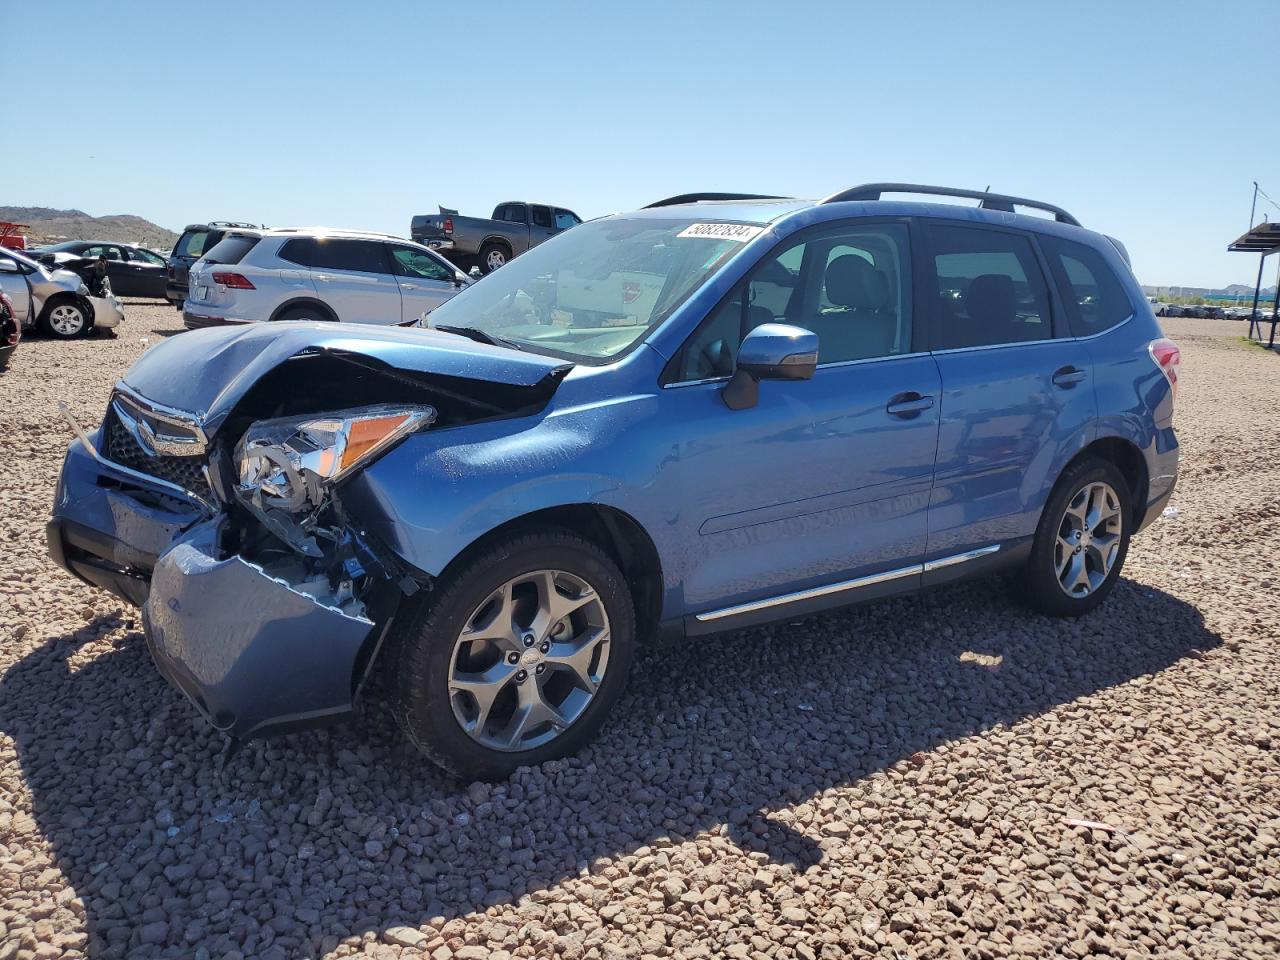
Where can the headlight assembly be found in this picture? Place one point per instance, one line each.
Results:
(288, 464)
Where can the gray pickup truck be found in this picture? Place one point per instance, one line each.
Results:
(516, 226)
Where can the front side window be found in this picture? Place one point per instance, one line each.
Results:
(541, 216)
(989, 289)
(408, 262)
(1094, 297)
(849, 284)
(592, 292)
(566, 219)
(146, 256)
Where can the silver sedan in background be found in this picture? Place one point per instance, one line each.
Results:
(56, 302)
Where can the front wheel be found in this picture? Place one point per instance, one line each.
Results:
(1081, 541)
(493, 256)
(64, 319)
(516, 657)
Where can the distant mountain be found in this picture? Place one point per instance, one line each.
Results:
(47, 225)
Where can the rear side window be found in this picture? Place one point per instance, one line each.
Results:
(989, 289)
(515, 213)
(230, 249)
(335, 253)
(191, 243)
(1094, 297)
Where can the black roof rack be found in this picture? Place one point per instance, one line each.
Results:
(234, 223)
(991, 201)
(695, 197)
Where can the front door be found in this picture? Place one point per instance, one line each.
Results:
(354, 278)
(1017, 396)
(825, 480)
(425, 282)
(541, 224)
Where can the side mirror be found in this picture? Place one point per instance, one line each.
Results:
(460, 279)
(8, 266)
(772, 351)
(475, 273)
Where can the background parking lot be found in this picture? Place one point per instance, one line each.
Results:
(902, 779)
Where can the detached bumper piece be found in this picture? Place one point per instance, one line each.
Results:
(254, 655)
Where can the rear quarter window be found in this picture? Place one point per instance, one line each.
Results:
(1094, 298)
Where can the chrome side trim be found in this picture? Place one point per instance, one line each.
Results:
(144, 478)
(809, 594)
(843, 585)
(821, 366)
(951, 561)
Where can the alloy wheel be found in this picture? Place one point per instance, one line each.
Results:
(1088, 539)
(495, 259)
(529, 660)
(66, 320)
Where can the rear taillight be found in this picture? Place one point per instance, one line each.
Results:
(448, 225)
(1168, 358)
(236, 281)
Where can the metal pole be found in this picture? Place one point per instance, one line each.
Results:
(1275, 307)
(1254, 208)
(1257, 288)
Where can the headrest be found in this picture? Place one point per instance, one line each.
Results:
(991, 298)
(852, 282)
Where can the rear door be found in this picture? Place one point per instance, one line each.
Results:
(425, 281)
(354, 278)
(1017, 397)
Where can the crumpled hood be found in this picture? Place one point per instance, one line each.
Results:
(205, 372)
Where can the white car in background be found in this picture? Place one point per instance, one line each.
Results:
(316, 273)
(57, 302)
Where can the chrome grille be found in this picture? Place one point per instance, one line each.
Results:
(123, 448)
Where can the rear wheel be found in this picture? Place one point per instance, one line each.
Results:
(64, 318)
(1081, 541)
(515, 658)
(304, 313)
(493, 256)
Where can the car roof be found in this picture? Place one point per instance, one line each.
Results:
(765, 212)
(323, 232)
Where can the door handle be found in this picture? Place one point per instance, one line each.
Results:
(1068, 377)
(408, 286)
(909, 404)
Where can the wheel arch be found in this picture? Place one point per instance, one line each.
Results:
(288, 305)
(500, 241)
(1128, 459)
(65, 296)
(616, 532)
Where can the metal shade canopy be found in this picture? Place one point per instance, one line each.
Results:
(1264, 239)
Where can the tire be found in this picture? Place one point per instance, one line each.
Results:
(304, 313)
(1052, 582)
(64, 319)
(493, 256)
(429, 655)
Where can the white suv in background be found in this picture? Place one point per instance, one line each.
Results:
(316, 273)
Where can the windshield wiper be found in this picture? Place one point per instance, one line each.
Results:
(478, 335)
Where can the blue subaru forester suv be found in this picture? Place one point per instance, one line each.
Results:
(714, 412)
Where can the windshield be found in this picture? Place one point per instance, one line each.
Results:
(27, 262)
(594, 291)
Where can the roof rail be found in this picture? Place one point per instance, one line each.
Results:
(235, 223)
(696, 197)
(990, 201)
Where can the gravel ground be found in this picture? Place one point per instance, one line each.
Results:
(898, 780)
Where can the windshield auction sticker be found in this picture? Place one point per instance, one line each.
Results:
(740, 232)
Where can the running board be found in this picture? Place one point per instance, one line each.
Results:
(844, 586)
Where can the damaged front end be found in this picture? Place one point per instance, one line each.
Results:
(263, 597)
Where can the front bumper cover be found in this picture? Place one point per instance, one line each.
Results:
(254, 655)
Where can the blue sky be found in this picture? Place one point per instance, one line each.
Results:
(1136, 117)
